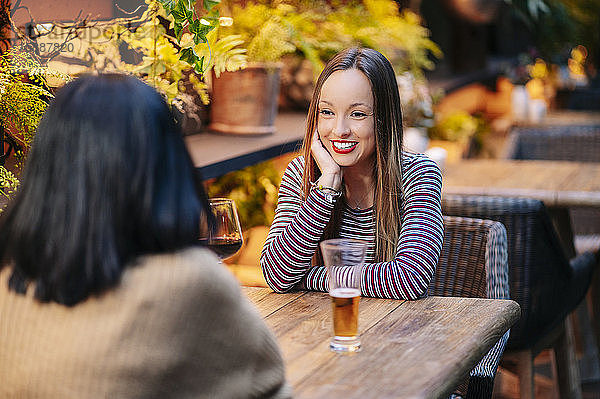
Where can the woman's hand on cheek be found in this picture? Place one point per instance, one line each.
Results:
(331, 172)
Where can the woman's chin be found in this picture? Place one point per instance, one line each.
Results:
(345, 163)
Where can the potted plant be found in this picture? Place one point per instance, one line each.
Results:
(398, 34)
(170, 59)
(313, 32)
(245, 101)
(26, 84)
(460, 134)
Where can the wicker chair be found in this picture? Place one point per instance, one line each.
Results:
(473, 263)
(563, 143)
(558, 143)
(544, 283)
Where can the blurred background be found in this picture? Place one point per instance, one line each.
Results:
(468, 71)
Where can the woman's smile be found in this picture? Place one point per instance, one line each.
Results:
(343, 146)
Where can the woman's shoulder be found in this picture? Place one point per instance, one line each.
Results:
(410, 159)
(296, 166)
(418, 163)
(191, 262)
(293, 172)
(194, 271)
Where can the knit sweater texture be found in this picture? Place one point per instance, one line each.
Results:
(176, 326)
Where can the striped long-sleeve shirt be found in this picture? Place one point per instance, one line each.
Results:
(299, 224)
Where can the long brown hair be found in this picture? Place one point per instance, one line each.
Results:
(387, 171)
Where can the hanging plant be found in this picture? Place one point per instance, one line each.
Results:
(24, 88)
(184, 17)
(168, 50)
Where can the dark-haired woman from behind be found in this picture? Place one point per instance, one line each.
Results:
(104, 289)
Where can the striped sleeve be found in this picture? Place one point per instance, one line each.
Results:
(408, 275)
(298, 226)
(295, 232)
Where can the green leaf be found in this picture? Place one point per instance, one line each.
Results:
(189, 55)
(168, 5)
(178, 28)
(194, 26)
(199, 66)
(183, 12)
(200, 31)
(209, 4)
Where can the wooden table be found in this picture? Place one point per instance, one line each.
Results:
(218, 153)
(556, 183)
(410, 349)
(564, 117)
(560, 185)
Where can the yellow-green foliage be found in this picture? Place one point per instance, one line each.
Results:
(254, 190)
(378, 24)
(401, 36)
(161, 65)
(225, 55)
(24, 92)
(265, 29)
(8, 182)
(319, 29)
(271, 31)
(460, 127)
(264, 48)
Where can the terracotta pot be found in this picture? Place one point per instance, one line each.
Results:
(245, 101)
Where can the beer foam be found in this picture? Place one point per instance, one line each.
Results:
(345, 292)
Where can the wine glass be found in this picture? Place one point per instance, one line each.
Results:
(225, 238)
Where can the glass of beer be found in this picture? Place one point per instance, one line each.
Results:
(344, 260)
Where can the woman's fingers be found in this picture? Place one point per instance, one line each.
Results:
(322, 156)
(331, 172)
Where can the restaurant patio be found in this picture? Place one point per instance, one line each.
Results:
(504, 97)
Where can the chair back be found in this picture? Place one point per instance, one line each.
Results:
(558, 143)
(579, 143)
(538, 267)
(473, 263)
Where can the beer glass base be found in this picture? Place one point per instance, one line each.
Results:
(345, 344)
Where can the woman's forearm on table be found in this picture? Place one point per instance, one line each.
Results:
(293, 240)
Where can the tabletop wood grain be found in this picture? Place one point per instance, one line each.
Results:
(564, 117)
(556, 183)
(410, 349)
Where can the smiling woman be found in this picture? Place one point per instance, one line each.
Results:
(354, 181)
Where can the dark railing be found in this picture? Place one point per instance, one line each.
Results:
(12, 145)
(3, 155)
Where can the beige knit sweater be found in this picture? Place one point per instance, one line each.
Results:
(177, 326)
